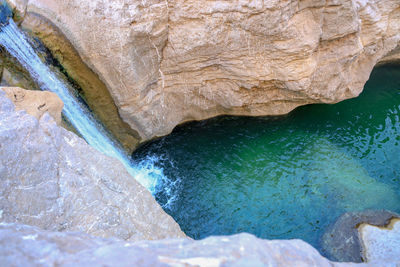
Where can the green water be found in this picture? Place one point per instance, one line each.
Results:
(286, 177)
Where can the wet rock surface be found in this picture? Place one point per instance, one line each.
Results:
(341, 242)
(53, 179)
(13, 74)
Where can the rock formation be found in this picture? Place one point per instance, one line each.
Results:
(29, 246)
(165, 62)
(381, 243)
(35, 103)
(342, 241)
(53, 179)
(392, 58)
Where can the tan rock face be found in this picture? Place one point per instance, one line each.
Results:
(35, 103)
(95, 92)
(169, 61)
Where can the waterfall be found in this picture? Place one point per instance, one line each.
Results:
(15, 42)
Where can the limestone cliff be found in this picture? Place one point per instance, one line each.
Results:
(53, 179)
(169, 61)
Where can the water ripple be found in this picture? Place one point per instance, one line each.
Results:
(286, 177)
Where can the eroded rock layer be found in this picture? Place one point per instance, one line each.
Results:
(169, 61)
(53, 179)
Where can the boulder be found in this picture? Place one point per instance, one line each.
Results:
(167, 62)
(51, 178)
(341, 241)
(29, 246)
(380, 243)
(35, 103)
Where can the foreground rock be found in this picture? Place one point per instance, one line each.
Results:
(381, 243)
(35, 103)
(167, 62)
(27, 246)
(52, 179)
(342, 242)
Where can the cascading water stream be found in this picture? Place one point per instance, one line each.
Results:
(14, 41)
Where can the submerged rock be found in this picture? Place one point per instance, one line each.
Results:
(29, 246)
(349, 180)
(51, 178)
(341, 242)
(167, 62)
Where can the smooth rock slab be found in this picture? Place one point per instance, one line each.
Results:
(51, 178)
(23, 245)
(381, 243)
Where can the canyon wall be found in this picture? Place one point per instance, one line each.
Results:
(165, 62)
